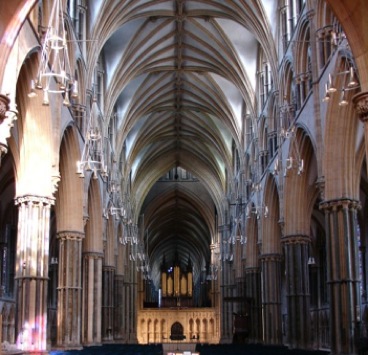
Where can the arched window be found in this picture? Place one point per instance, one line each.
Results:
(99, 83)
(264, 78)
(329, 34)
(290, 12)
(288, 107)
(303, 65)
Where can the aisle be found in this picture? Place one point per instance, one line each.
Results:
(223, 349)
(244, 349)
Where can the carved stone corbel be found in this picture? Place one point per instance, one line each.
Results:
(4, 107)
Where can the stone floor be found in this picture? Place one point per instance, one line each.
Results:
(227, 349)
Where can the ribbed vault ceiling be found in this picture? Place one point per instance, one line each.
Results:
(179, 75)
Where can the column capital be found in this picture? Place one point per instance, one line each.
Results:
(252, 270)
(360, 102)
(70, 235)
(295, 239)
(271, 257)
(108, 268)
(93, 255)
(338, 204)
(32, 199)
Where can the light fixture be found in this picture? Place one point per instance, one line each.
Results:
(259, 209)
(54, 73)
(130, 229)
(348, 81)
(343, 101)
(330, 87)
(294, 160)
(327, 94)
(92, 159)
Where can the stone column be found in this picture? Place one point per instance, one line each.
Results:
(271, 298)
(360, 101)
(92, 292)
(253, 292)
(343, 272)
(108, 279)
(70, 289)
(297, 290)
(32, 272)
(119, 301)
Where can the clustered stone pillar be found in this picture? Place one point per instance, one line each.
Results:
(297, 290)
(343, 272)
(92, 300)
(271, 298)
(119, 301)
(32, 271)
(69, 289)
(253, 292)
(108, 278)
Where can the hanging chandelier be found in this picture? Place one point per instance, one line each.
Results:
(293, 160)
(130, 229)
(92, 159)
(54, 74)
(259, 209)
(347, 81)
(115, 205)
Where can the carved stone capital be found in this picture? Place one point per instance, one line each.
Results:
(252, 270)
(4, 107)
(93, 255)
(340, 204)
(271, 257)
(70, 235)
(36, 200)
(360, 102)
(295, 239)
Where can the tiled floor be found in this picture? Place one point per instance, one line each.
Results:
(228, 349)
